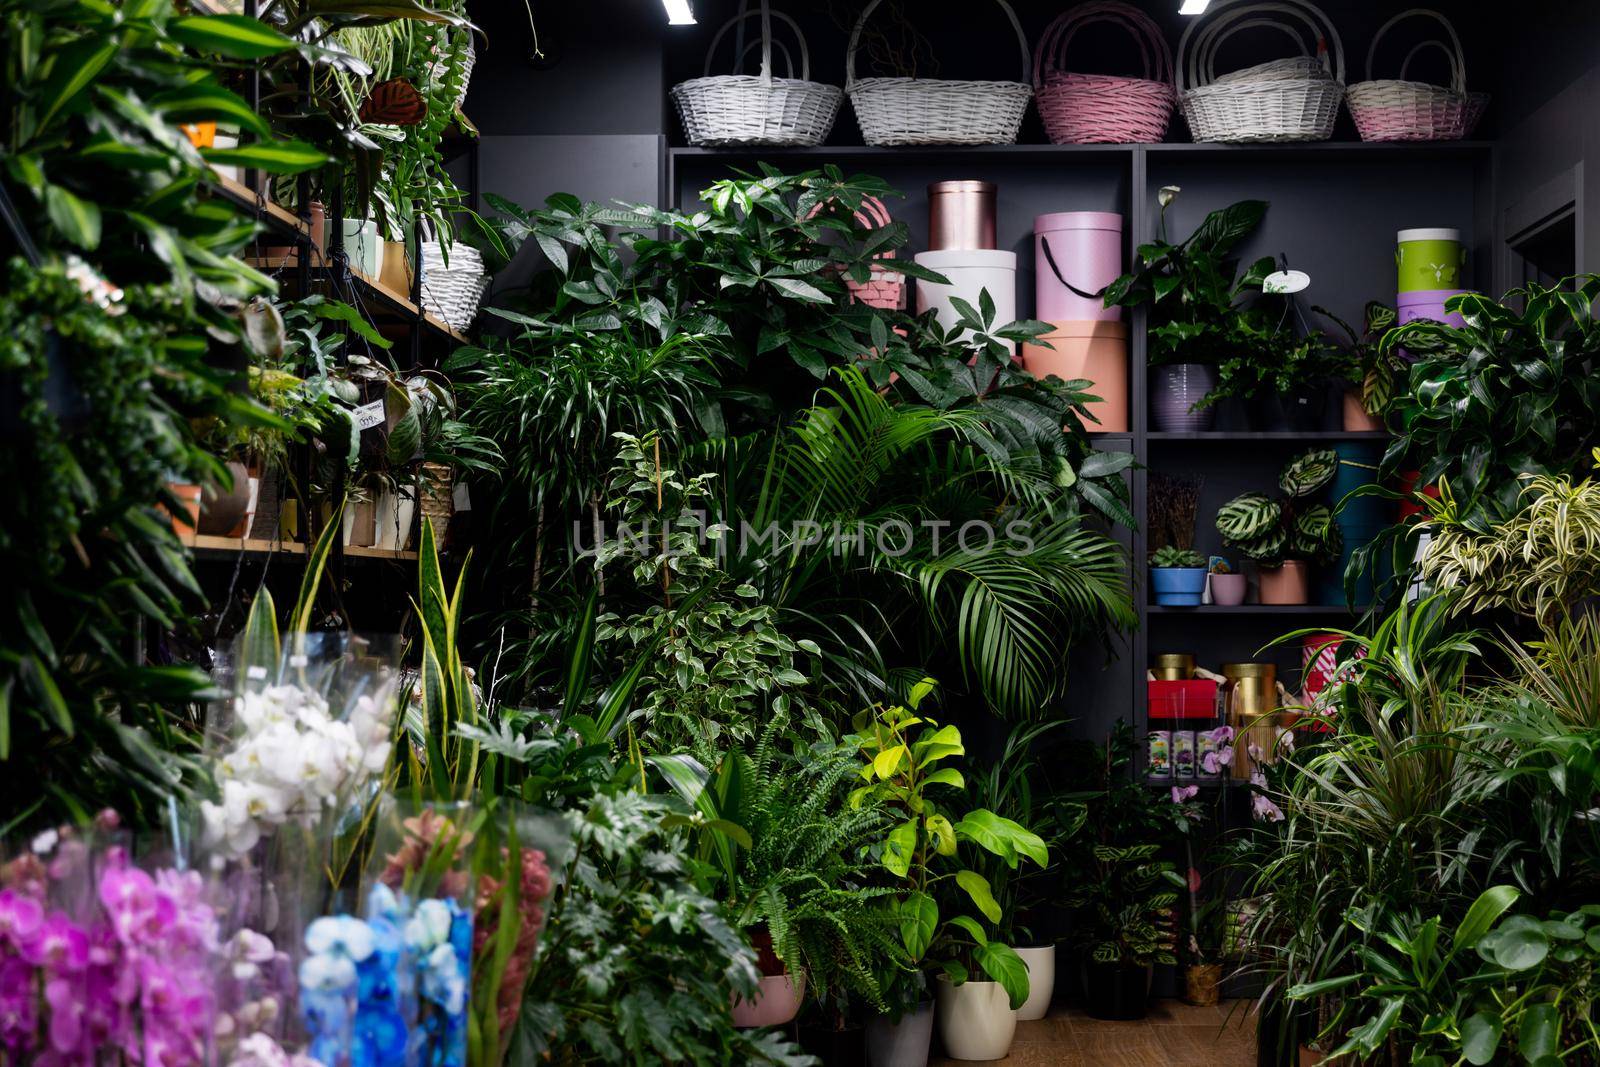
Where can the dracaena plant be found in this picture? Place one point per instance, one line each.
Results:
(1270, 530)
(944, 903)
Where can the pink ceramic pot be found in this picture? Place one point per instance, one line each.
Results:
(1227, 590)
(775, 1003)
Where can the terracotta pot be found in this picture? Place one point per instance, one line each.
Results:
(1202, 984)
(1310, 1057)
(975, 1019)
(1289, 583)
(200, 134)
(185, 521)
(1228, 590)
(1356, 418)
(775, 1003)
(288, 254)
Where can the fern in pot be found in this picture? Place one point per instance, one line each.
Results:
(1284, 535)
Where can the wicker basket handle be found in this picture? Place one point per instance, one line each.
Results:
(872, 5)
(783, 53)
(767, 16)
(1207, 34)
(1051, 52)
(1458, 58)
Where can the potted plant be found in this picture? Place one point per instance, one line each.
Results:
(1203, 911)
(1015, 786)
(939, 892)
(1196, 319)
(1228, 586)
(789, 852)
(1124, 896)
(1177, 576)
(1285, 535)
(1371, 371)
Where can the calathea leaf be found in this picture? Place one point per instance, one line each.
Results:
(1248, 517)
(1309, 472)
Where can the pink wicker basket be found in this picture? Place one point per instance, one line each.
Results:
(1398, 109)
(887, 288)
(1103, 108)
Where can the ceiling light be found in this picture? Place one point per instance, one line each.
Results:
(679, 13)
(1193, 7)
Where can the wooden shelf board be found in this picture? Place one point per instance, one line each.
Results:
(260, 546)
(280, 217)
(398, 304)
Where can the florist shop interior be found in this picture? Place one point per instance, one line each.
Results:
(712, 532)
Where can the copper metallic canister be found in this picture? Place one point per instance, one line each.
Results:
(1174, 666)
(961, 215)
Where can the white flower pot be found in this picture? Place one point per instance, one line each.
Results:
(975, 1019)
(1041, 963)
(396, 512)
(363, 245)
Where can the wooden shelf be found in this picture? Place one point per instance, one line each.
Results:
(276, 216)
(208, 545)
(398, 305)
(1219, 436)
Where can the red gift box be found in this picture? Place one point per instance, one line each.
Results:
(1187, 699)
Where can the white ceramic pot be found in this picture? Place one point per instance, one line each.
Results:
(975, 1019)
(396, 513)
(1041, 963)
(775, 1003)
(363, 245)
(970, 271)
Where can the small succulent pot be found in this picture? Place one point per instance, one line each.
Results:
(1178, 587)
(1228, 590)
(1202, 984)
(1287, 583)
(1175, 389)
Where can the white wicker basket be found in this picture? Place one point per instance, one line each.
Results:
(452, 292)
(1293, 99)
(899, 111)
(757, 109)
(1398, 109)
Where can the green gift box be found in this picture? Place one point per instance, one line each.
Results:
(1429, 259)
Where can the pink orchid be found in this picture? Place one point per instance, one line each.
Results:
(1181, 793)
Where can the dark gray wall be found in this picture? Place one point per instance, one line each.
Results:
(1549, 151)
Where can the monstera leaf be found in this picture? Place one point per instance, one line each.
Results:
(1249, 517)
(1309, 472)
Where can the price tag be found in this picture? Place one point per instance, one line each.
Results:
(369, 415)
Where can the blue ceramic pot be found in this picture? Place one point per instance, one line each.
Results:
(1178, 587)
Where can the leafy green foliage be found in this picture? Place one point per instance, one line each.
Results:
(792, 861)
(1509, 393)
(637, 964)
(1378, 373)
(1270, 530)
(1173, 556)
(1124, 896)
(900, 750)
(1498, 989)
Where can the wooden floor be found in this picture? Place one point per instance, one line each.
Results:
(1174, 1034)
